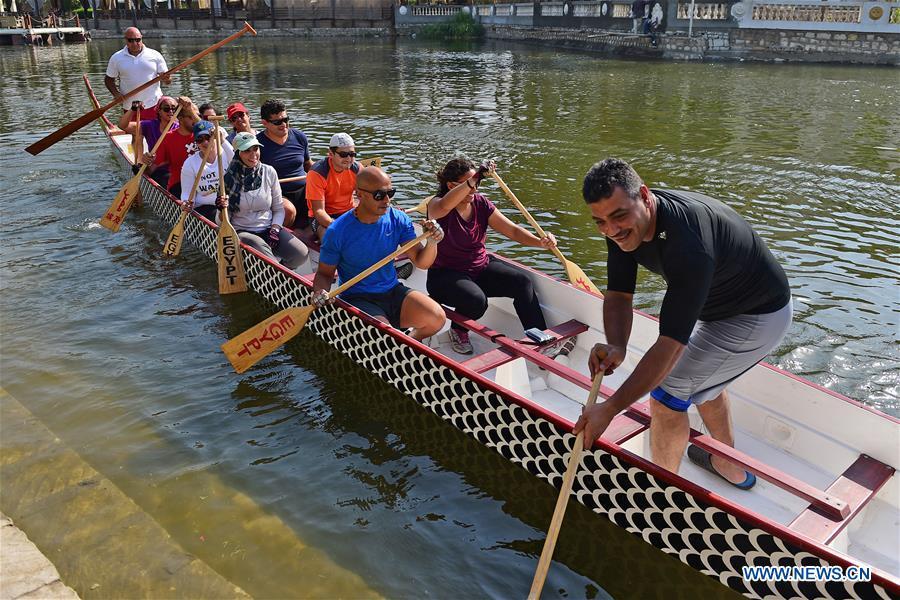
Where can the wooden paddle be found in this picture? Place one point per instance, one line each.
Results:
(291, 179)
(576, 276)
(137, 148)
(421, 207)
(228, 245)
(115, 214)
(172, 247)
(368, 162)
(70, 128)
(562, 501)
(245, 350)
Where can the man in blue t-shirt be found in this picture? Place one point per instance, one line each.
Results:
(286, 149)
(361, 237)
(727, 305)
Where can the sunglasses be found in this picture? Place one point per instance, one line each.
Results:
(236, 116)
(133, 40)
(168, 108)
(350, 154)
(279, 121)
(203, 138)
(382, 194)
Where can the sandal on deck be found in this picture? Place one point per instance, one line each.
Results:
(703, 459)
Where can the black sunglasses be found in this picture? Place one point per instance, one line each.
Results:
(381, 194)
(167, 108)
(350, 154)
(133, 40)
(236, 116)
(279, 121)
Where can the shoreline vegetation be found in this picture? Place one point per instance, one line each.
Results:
(461, 27)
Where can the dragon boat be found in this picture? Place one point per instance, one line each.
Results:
(825, 509)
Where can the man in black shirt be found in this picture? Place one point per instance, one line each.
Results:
(727, 305)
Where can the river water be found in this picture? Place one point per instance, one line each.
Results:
(308, 477)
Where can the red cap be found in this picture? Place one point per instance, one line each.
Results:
(234, 108)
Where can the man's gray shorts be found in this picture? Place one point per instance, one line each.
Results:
(719, 352)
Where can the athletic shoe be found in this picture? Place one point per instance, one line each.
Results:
(405, 270)
(459, 341)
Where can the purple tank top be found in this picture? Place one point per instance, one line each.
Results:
(462, 248)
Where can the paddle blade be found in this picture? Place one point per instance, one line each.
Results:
(578, 278)
(63, 132)
(172, 247)
(368, 162)
(115, 214)
(421, 207)
(248, 348)
(232, 279)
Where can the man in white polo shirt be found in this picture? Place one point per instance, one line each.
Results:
(135, 65)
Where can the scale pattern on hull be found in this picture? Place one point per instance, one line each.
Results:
(707, 538)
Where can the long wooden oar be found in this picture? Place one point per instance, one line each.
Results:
(231, 265)
(115, 214)
(70, 128)
(172, 247)
(576, 276)
(562, 501)
(421, 207)
(248, 348)
(292, 179)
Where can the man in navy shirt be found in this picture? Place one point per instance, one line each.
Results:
(727, 305)
(287, 150)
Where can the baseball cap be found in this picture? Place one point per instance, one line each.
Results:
(245, 140)
(341, 139)
(203, 128)
(235, 108)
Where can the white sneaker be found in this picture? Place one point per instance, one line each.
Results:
(459, 341)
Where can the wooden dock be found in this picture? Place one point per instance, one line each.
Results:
(19, 31)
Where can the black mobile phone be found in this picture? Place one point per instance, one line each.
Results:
(538, 336)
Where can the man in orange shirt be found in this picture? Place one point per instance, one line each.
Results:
(330, 183)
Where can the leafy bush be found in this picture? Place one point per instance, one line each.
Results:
(462, 26)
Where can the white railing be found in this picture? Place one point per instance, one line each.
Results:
(587, 9)
(703, 12)
(552, 9)
(621, 11)
(435, 10)
(504, 10)
(484, 10)
(525, 9)
(806, 12)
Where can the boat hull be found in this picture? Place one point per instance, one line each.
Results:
(712, 535)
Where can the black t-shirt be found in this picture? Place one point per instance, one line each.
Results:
(715, 265)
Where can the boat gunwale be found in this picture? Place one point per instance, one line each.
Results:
(887, 580)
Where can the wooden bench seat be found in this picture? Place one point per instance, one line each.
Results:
(500, 356)
(857, 486)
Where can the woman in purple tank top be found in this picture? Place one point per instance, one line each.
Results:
(464, 275)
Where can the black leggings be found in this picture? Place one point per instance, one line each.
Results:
(469, 295)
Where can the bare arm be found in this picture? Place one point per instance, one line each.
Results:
(617, 318)
(441, 207)
(318, 210)
(324, 277)
(500, 223)
(110, 83)
(423, 256)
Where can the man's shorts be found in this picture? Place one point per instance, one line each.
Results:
(387, 304)
(719, 352)
(298, 199)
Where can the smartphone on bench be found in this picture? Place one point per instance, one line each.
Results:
(539, 336)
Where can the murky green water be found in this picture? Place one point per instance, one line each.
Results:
(116, 349)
